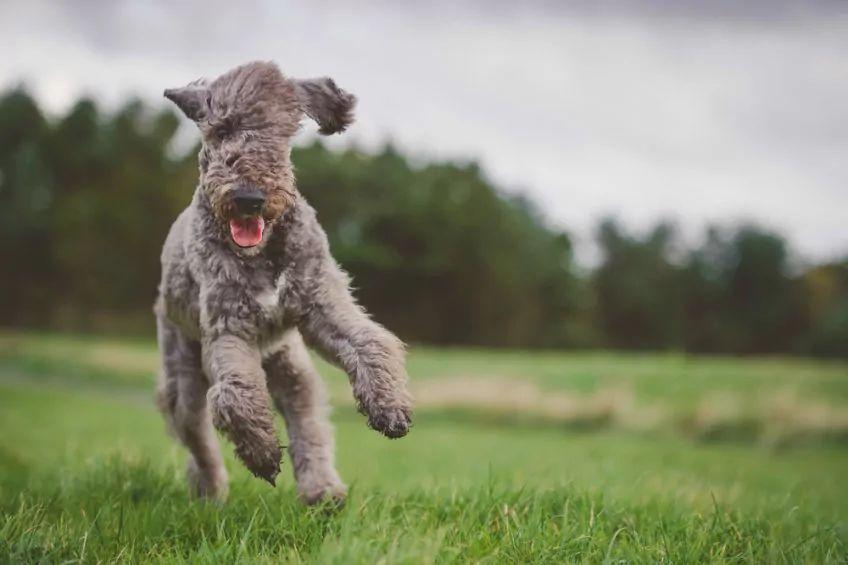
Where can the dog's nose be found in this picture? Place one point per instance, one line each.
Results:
(248, 201)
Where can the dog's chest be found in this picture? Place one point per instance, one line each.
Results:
(269, 297)
(272, 319)
(245, 298)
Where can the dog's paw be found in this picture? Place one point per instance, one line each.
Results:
(244, 415)
(332, 495)
(207, 484)
(261, 457)
(393, 422)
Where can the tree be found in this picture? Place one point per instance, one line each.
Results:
(638, 288)
(437, 252)
(27, 191)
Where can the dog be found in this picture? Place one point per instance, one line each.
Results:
(248, 282)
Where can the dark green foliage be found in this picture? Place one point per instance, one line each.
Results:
(436, 252)
(827, 293)
(741, 296)
(638, 289)
(91, 199)
(735, 293)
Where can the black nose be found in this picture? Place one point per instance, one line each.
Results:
(248, 201)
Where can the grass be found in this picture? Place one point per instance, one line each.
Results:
(87, 473)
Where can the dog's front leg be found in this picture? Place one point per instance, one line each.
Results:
(240, 404)
(373, 357)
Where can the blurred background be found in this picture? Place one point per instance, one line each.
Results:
(624, 218)
(633, 175)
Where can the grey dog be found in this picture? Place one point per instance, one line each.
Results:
(248, 282)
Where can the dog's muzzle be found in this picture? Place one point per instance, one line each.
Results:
(247, 224)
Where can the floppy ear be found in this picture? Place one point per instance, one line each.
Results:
(327, 104)
(190, 99)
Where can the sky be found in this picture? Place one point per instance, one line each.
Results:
(701, 112)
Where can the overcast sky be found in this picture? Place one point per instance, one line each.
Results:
(699, 111)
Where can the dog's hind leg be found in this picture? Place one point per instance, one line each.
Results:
(181, 397)
(300, 395)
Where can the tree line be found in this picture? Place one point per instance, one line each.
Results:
(436, 251)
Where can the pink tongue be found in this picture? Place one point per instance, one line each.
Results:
(247, 232)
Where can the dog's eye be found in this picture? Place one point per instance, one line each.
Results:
(222, 132)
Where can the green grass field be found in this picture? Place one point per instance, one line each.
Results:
(515, 457)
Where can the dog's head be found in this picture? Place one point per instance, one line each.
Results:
(247, 118)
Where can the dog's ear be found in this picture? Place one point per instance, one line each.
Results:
(191, 99)
(327, 104)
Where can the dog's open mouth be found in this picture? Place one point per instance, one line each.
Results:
(247, 232)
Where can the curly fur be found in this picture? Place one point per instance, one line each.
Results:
(233, 323)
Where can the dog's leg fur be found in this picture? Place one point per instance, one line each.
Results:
(373, 357)
(300, 395)
(181, 397)
(239, 403)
